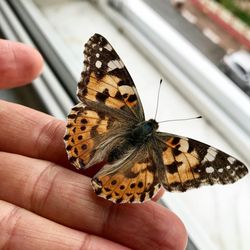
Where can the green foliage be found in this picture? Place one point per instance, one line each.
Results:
(231, 6)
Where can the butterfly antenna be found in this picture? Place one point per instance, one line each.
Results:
(183, 119)
(158, 97)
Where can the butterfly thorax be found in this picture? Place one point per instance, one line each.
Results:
(135, 137)
(142, 132)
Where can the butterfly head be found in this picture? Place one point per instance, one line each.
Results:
(147, 128)
(151, 126)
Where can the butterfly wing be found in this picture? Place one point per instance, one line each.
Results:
(189, 163)
(131, 179)
(106, 81)
(89, 135)
(109, 106)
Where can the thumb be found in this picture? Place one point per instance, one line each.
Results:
(19, 64)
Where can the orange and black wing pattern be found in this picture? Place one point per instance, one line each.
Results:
(108, 126)
(106, 81)
(131, 180)
(189, 164)
(86, 128)
(109, 105)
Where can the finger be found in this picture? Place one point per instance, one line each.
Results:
(67, 198)
(21, 229)
(159, 194)
(19, 64)
(28, 132)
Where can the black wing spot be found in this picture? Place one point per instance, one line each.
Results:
(142, 197)
(190, 148)
(140, 184)
(66, 137)
(176, 152)
(76, 151)
(72, 159)
(98, 191)
(172, 168)
(119, 200)
(132, 98)
(151, 193)
(70, 125)
(76, 108)
(102, 97)
(113, 182)
(108, 196)
(83, 128)
(84, 121)
(132, 199)
(175, 141)
(72, 116)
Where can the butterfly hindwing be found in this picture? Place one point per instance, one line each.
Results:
(189, 164)
(106, 81)
(131, 180)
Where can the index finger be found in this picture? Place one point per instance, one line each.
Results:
(19, 64)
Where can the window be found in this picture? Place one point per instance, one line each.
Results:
(151, 49)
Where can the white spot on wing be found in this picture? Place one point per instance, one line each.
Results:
(220, 170)
(114, 64)
(183, 145)
(108, 47)
(231, 160)
(98, 64)
(97, 55)
(209, 170)
(211, 154)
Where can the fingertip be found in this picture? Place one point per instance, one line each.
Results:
(180, 234)
(19, 64)
(169, 230)
(159, 194)
(32, 61)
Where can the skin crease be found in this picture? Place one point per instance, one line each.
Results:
(46, 205)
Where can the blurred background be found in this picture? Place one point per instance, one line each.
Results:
(200, 48)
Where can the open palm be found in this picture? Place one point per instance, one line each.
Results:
(43, 204)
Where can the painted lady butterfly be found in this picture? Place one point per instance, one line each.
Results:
(108, 125)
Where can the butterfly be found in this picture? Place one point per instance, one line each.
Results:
(108, 125)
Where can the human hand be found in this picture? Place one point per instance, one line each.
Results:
(43, 204)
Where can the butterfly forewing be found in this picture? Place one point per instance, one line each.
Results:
(105, 79)
(189, 164)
